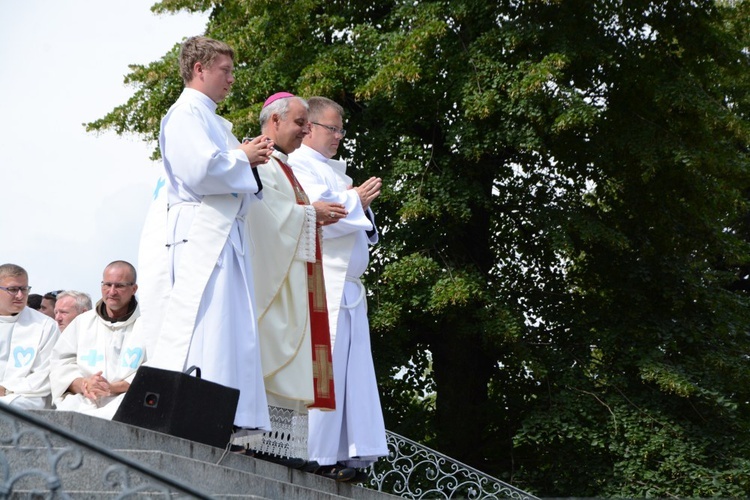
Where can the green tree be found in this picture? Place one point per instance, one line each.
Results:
(559, 297)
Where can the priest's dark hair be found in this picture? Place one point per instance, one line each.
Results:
(203, 50)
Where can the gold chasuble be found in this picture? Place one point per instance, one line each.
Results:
(319, 329)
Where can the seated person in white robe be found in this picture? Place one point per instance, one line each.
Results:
(95, 359)
(354, 434)
(26, 340)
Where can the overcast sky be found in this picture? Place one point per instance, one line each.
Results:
(73, 201)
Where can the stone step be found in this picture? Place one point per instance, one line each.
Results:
(82, 470)
(204, 468)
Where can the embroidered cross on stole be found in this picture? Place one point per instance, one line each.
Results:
(320, 333)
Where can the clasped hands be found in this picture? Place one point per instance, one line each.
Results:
(95, 387)
(257, 150)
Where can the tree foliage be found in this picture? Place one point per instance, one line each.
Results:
(560, 293)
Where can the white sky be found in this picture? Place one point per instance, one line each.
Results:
(71, 201)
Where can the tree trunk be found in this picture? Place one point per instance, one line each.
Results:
(462, 372)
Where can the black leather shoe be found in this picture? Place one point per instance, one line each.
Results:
(337, 472)
(360, 477)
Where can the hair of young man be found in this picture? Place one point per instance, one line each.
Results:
(203, 50)
(318, 106)
(53, 295)
(278, 107)
(124, 264)
(12, 271)
(82, 300)
(34, 301)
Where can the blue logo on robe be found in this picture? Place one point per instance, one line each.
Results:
(132, 357)
(92, 357)
(159, 184)
(23, 356)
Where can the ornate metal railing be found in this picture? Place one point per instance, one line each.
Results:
(40, 460)
(412, 470)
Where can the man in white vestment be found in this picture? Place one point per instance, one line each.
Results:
(96, 357)
(26, 340)
(295, 341)
(70, 304)
(354, 434)
(194, 256)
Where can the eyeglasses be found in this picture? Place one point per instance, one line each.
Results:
(331, 129)
(117, 286)
(13, 290)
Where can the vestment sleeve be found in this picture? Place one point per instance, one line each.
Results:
(198, 153)
(320, 188)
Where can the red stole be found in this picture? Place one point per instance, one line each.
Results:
(319, 329)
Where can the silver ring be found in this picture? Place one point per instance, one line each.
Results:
(331, 215)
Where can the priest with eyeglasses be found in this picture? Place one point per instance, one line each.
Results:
(96, 357)
(353, 436)
(26, 340)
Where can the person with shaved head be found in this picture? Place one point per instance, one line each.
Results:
(98, 353)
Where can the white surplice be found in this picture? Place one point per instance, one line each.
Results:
(26, 342)
(355, 432)
(204, 172)
(92, 344)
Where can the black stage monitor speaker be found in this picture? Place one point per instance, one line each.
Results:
(178, 404)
